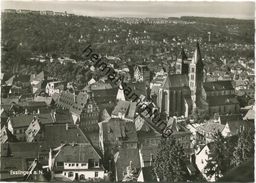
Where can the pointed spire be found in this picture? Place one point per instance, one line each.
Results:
(197, 54)
(182, 55)
(104, 115)
(120, 93)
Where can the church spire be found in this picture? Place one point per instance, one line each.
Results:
(182, 55)
(197, 54)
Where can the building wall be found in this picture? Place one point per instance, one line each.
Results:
(224, 109)
(90, 174)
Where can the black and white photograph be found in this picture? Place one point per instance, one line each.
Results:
(127, 91)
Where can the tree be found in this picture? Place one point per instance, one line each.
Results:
(245, 147)
(220, 158)
(169, 163)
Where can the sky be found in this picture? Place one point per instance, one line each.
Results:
(225, 9)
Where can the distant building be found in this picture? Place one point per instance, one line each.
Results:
(174, 97)
(117, 133)
(142, 73)
(9, 10)
(202, 155)
(124, 110)
(54, 87)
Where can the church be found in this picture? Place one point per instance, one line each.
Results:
(181, 92)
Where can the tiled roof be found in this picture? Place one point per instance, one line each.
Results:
(58, 134)
(230, 118)
(210, 127)
(24, 149)
(235, 126)
(116, 128)
(218, 86)
(24, 120)
(176, 80)
(125, 108)
(77, 153)
(222, 100)
(100, 86)
(104, 115)
(250, 115)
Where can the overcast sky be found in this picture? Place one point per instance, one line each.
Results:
(241, 10)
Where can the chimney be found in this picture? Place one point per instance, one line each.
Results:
(26, 111)
(130, 165)
(38, 111)
(151, 160)
(66, 126)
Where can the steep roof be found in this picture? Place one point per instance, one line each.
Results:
(222, 100)
(230, 118)
(58, 134)
(182, 55)
(218, 85)
(24, 120)
(210, 127)
(176, 80)
(250, 115)
(77, 153)
(116, 128)
(104, 115)
(197, 55)
(126, 108)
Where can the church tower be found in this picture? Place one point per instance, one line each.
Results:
(196, 75)
(181, 66)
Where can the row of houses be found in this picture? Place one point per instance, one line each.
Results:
(43, 12)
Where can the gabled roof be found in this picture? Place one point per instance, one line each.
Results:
(235, 126)
(222, 100)
(176, 80)
(116, 128)
(104, 115)
(250, 115)
(230, 118)
(40, 76)
(10, 81)
(218, 86)
(23, 120)
(126, 108)
(77, 153)
(100, 86)
(58, 134)
(210, 127)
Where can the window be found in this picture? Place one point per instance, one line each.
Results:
(89, 108)
(96, 164)
(83, 164)
(192, 69)
(96, 174)
(192, 77)
(73, 164)
(82, 177)
(70, 174)
(77, 164)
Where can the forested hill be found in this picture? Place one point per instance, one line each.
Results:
(27, 35)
